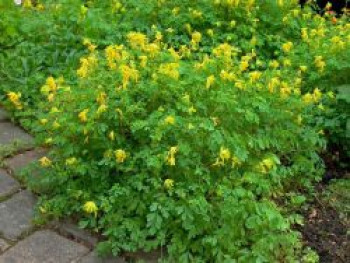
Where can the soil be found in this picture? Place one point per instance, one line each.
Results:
(324, 230)
(326, 233)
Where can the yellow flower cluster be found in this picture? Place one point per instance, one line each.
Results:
(86, 65)
(137, 40)
(120, 155)
(91, 47)
(14, 98)
(170, 69)
(309, 98)
(115, 53)
(266, 165)
(171, 155)
(83, 115)
(128, 73)
(319, 63)
(45, 162)
(90, 207)
(168, 184)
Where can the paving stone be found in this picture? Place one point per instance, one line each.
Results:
(8, 185)
(74, 232)
(3, 245)
(20, 161)
(3, 115)
(44, 247)
(16, 215)
(93, 258)
(10, 133)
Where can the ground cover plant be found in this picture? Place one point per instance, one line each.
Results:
(194, 127)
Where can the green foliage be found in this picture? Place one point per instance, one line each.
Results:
(174, 156)
(180, 124)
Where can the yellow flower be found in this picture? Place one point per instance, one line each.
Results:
(90, 207)
(27, 4)
(274, 64)
(51, 97)
(101, 98)
(168, 184)
(175, 11)
(299, 119)
(71, 161)
(120, 155)
(196, 37)
(43, 121)
(143, 61)
(304, 34)
(111, 136)
(15, 99)
(169, 120)
(128, 73)
(50, 82)
(210, 32)
(287, 47)
(83, 115)
(45, 162)
(255, 75)
(319, 63)
(317, 95)
(171, 155)
(266, 165)
(303, 68)
(225, 154)
(55, 125)
(48, 141)
(137, 40)
(244, 65)
(210, 81)
(236, 162)
(192, 110)
(102, 108)
(170, 70)
(308, 98)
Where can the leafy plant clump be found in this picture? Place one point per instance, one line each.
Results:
(190, 127)
(154, 148)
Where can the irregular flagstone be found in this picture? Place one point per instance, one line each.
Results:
(10, 134)
(16, 215)
(3, 245)
(74, 232)
(44, 246)
(93, 258)
(8, 185)
(3, 115)
(20, 161)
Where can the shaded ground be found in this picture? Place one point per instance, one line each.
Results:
(327, 221)
(326, 233)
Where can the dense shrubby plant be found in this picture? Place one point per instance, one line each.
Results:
(165, 150)
(185, 124)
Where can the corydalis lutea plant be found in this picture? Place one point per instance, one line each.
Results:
(183, 152)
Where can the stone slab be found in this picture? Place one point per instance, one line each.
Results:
(4, 116)
(74, 232)
(93, 258)
(10, 133)
(44, 247)
(16, 215)
(3, 245)
(8, 185)
(20, 161)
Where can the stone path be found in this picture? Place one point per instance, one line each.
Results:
(20, 240)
